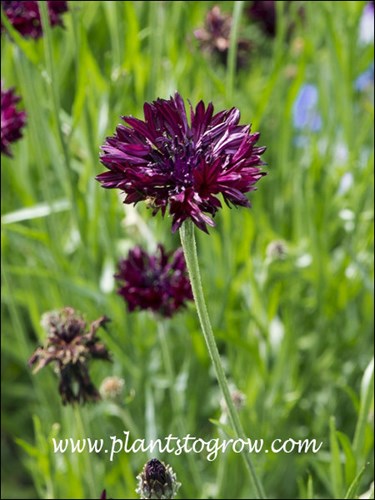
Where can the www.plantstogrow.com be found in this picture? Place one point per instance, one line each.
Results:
(188, 444)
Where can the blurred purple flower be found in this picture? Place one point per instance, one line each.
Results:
(156, 282)
(166, 161)
(365, 80)
(70, 345)
(214, 37)
(215, 34)
(305, 114)
(264, 12)
(25, 15)
(12, 121)
(346, 182)
(366, 26)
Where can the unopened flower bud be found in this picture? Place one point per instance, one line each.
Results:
(157, 480)
(238, 399)
(276, 250)
(112, 387)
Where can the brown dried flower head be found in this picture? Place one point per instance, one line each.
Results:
(214, 37)
(70, 345)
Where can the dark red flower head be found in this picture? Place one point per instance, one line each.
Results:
(12, 120)
(169, 162)
(25, 16)
(156, 282)
(264, 12)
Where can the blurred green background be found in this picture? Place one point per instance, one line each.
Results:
(295, 330)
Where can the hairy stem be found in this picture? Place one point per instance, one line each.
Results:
(191, 257)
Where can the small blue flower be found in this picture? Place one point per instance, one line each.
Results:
(366, 25)
(305, 114)
(346, 183)
(365, 79)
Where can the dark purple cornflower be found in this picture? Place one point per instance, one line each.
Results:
(214, 37)
(264, 12)
(157, 282)
(166, 161)
(12, 120)
(71, 344)
(25, 16)
(157, 480)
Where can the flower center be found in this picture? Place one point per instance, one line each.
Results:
(178, 159)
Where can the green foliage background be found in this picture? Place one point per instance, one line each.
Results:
(296, 334)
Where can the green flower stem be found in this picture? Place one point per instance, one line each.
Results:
(47, 38)
(128, 421)
(233, 49)
(83, 429)
(167, 356)
(162, 332)
(191, 257)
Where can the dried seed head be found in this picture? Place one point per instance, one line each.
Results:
(71, 345)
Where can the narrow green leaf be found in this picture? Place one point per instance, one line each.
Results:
(310, 488)
(35, 211)
(350, 461)
(352, 491)
(335, 465)
(367, 396)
